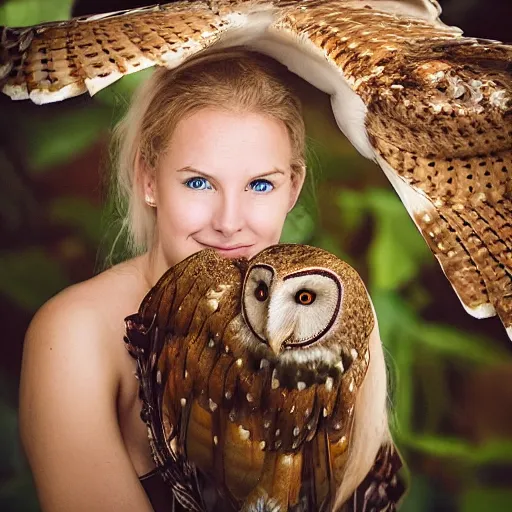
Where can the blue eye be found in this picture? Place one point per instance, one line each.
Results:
(261, 186)
(198, 184)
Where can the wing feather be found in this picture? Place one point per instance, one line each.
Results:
(54, 61)
(431, 107)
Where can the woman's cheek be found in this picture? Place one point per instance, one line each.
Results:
(196, 213)
(186, 207)
(267, 216)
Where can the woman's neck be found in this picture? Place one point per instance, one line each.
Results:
(155, 264)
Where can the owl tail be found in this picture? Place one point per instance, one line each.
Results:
(383, 487)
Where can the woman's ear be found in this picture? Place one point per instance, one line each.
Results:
(146, 178)
(298, 177)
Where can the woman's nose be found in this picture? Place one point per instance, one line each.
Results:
(228, 218)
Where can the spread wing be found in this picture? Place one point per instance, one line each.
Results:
(431, 107)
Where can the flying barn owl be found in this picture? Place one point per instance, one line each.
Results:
(265, 379)
(431, 107)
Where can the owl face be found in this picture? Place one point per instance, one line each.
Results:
(293, 311)
(307, 311)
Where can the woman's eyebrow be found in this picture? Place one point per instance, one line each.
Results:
(190, 169)
(271, 173)
(193, 170)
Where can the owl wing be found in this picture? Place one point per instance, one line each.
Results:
(431, 107)
(145, 344)
(53, 61)
(434, 110)
(166, 337)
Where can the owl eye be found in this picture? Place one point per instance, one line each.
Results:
(305, 297)
(261, 292)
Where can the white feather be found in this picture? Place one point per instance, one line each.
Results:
(309, 62)
(370, 430)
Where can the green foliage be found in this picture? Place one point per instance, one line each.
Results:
(492, 451)
(20, 13)
(30, 277)
(419, 496)
(79, 214)
(480, 499)
(392, 260)
(447, 341)
(56, 140)
(299, 226)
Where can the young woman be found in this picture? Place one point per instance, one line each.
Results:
(210, 155)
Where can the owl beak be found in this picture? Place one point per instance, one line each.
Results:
(277, 340)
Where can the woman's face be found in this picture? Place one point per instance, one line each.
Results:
(224, 182)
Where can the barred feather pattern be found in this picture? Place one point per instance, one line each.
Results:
(145, 346)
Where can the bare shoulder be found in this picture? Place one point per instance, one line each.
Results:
(83, 325)
(96, 301)
(71, 373)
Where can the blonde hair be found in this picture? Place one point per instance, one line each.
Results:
(236, 80)
(370, 429)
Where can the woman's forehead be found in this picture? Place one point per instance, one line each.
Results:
(212, 140)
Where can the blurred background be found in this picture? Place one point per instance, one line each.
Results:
(451, 375)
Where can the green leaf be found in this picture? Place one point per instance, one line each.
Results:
(433, 402)
(29, 278)
(353, 208)
(491, 451)
(397, 324)
(21, 13)
(397, 251)
(55, 140)
(394, 316)
(400, 367)
(78, 213)
(298, 227)
(450, 341)
(478, 500)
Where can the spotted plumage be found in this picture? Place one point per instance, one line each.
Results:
(251, 375)
(431, 107)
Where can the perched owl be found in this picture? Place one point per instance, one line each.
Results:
(432, 108)
(254, 375)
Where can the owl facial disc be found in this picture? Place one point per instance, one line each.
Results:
(293, 311)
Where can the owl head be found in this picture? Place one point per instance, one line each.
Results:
(308, 312)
